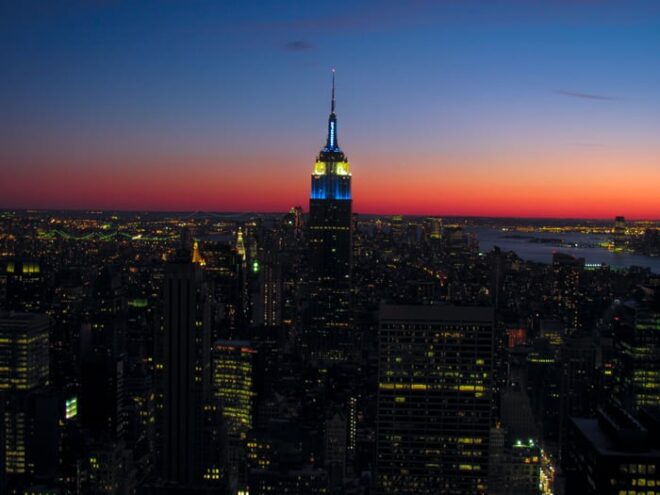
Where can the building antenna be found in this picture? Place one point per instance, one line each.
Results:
(332, 108)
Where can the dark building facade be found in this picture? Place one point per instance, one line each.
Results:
(636, 342)
(435, 392)
(187, 454)
(612, 454)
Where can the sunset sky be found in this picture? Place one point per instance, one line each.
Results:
(546, 108)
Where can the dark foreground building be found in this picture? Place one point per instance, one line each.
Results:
(435, 387)
(636, 339)
(613, 454)
(190, 426)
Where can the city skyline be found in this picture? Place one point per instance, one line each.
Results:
(354, 248)
(523, 110)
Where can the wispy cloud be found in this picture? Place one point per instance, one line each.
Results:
(587, 96)
(298, 46)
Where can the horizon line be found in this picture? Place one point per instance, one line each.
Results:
(283, 212)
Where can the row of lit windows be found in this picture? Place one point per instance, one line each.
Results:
(638, 468)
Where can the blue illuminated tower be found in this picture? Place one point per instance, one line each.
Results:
(330, 208)
(331, 179)
(330, 235)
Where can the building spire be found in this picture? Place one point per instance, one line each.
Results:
(332, 144)
(332, 107)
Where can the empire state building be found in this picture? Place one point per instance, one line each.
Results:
(330, 242)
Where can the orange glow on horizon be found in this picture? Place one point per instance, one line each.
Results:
(599, 184)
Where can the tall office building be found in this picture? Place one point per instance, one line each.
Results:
(103, 359)
(619, 237)
(268, 299)
(433, 228)
(187, 457)
(23, 368)
(567, 293)
(23, 351)
(579, 381)
(330, 240)
(396, 227)
(435, 392)
(636, 342)
(234, 394)
(233, 384)
(24, 286)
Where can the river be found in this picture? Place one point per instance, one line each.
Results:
(581, 246)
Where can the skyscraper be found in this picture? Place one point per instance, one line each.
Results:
(619, 239)
(435, 389)
(637, 350)
(187, 457)
(234, 394)
(233, 384)
(24, 286)
(568, 273)
(103, 360)
(23, 368)
(330, 233)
